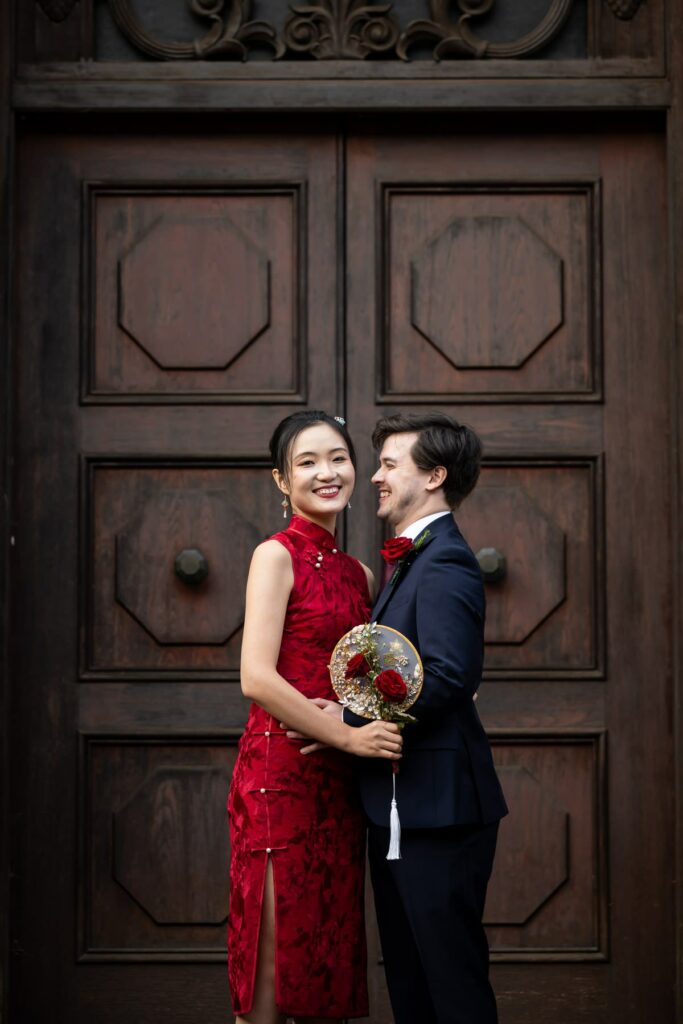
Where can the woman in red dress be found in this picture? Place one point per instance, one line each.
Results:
(296, 938)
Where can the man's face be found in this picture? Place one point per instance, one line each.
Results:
(401, 484)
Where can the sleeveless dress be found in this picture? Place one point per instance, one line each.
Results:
(302, 811)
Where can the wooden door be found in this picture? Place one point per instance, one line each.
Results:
(520, 283)
(517, 281)
(177, 299)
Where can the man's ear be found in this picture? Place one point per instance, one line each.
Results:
(437, 478)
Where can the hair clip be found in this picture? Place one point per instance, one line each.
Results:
(340, 419)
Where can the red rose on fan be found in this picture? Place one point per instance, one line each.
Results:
(396, 548)
(357, 667)
(391, 685)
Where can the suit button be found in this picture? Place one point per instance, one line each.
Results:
(263, 790)
(268, 849)
(267, 732)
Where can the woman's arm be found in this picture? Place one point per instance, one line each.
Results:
(268, 588)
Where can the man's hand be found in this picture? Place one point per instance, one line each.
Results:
(330, 707)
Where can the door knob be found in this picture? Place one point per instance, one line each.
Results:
(492, 564)
(191, 566)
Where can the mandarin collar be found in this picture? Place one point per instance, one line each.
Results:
(311, 531)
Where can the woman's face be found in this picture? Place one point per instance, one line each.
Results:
(321, 475)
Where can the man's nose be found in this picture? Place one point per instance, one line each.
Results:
(377, 477)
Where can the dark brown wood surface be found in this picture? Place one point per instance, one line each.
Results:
(675, 237)
(189, 302)
(129, 708)
(579, 511)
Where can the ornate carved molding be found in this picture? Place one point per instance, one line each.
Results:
(57, 10)
(341, 29)
(624, 9)
(455, 39)
(230, 37)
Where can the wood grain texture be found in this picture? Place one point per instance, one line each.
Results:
(675, 200)
(154, 847)
(494, 293)
(395, 94)
(621, 431)
(6, 191)
(227, 269)
(57, 436)
(546, 717)
(140, 616)
(545, 616)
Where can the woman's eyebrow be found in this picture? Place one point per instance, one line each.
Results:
(300, 455)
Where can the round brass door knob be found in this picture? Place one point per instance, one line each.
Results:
(492, 564)
(191, 566)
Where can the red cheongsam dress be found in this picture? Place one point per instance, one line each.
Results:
(302, 810)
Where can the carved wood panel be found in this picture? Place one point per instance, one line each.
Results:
(548, 892)
(222, 269)
(544, 615)
(155, 847)
(151, 651)
(492, 288)
(141, 614)
(490, 294)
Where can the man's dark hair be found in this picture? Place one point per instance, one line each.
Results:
(441, 441)
(288, 429)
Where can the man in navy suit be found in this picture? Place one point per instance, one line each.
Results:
(430, 902)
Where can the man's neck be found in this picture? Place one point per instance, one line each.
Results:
(401, 527)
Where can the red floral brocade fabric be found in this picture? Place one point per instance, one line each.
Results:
(302, 811)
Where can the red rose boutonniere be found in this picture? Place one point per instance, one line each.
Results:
(391, 685)
(396, 550)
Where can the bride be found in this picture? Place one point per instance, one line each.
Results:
(296, 939)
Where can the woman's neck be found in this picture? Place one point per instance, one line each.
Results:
(328, 523)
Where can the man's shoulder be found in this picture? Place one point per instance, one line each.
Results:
(450, 545)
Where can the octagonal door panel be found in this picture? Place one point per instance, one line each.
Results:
(195, 293)
(486, 279)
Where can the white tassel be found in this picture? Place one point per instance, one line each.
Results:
(394, 826)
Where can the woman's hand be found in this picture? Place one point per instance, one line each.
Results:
(377, 739)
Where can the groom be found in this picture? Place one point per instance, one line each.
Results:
(430, 902)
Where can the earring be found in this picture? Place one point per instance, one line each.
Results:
(348, 504)
(285, 506)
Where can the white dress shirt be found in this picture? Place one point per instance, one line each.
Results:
(416, 528)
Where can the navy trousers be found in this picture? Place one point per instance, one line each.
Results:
(430, 905)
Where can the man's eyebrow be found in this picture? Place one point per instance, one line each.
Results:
(387, 458)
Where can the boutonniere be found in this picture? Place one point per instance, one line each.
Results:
(396, 551)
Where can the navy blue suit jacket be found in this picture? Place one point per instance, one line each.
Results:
(446, 773)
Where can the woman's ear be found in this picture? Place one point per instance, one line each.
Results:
(280, 481)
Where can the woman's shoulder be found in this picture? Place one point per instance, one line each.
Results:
(274, 551)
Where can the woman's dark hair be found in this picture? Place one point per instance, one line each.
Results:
(287, 431)
(441, 441)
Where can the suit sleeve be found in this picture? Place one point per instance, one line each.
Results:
(450, 629)
(349, 718)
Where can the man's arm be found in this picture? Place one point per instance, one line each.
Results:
(349, 718)
(450, 631)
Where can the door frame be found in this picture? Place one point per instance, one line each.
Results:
(623, 95)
